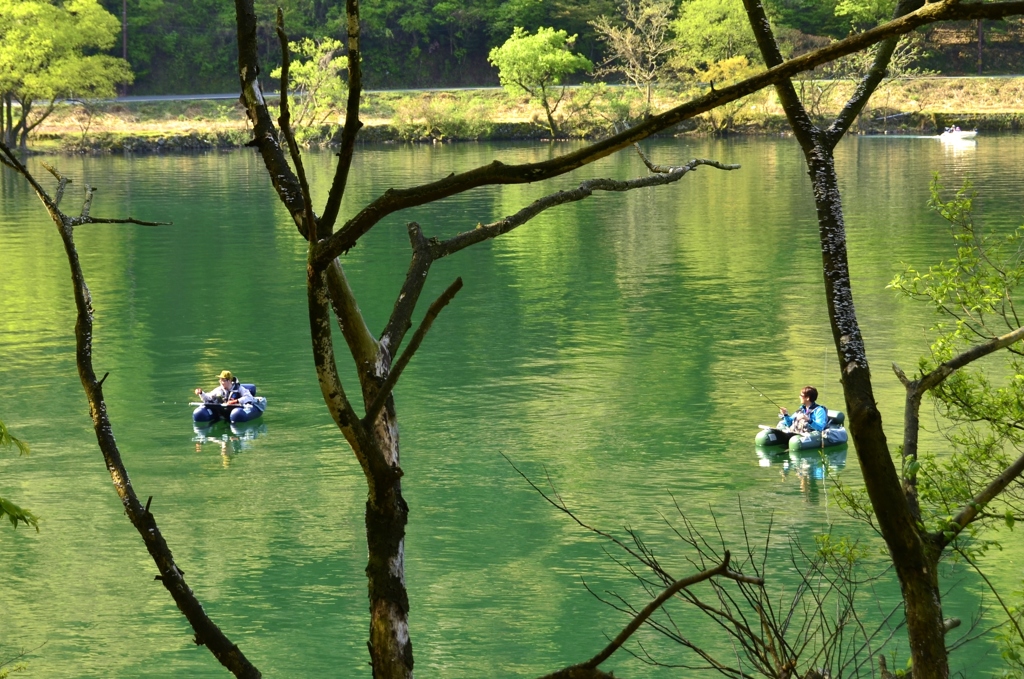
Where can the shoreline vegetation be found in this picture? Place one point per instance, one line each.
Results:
(923, 105)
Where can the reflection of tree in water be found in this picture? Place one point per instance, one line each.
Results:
(810, 467)
(231, 439)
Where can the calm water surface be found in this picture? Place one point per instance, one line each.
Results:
(604, 345)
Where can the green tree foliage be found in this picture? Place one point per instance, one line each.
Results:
(316, 82)
(709, 31)
(536, 65)
(862, 14)
(48, 51)
(974, 294)
(425, 41)
(1011, 640)
(8, 509)
(815, 17)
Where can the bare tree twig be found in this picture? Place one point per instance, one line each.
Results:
(581, 669)
(425, 252)
(352, 122)
(665, 175)
(403, 360)
(87, 204)
(286, 129)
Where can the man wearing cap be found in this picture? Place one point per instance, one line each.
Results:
(230, 392)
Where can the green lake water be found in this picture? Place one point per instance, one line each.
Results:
(603, 345)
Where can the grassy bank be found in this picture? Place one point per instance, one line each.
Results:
(923, 106)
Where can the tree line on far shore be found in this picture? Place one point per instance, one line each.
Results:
(51, 50)
(188, 45)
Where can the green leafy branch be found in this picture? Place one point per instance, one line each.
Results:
(13, 512)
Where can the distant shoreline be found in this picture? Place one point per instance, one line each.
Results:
(922, 106)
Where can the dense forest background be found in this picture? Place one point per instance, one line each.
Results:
(188, 46)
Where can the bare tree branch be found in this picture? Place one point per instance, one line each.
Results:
(425, 252)
(265, 137)
(403, 360)
(62, 182)
(401, 316)
(286, 129)
(581, 669)
(365, 350)
(172, 577)
(87, 204)
(499, 173)
(374, 465)
(664, 175)
(871, 80)
(352, 122)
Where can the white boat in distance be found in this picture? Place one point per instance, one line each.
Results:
(956, 134)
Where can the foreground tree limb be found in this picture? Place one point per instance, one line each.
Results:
(916, 389)
(172, 577)
(499, 173)
(265, 138)
(396, 370)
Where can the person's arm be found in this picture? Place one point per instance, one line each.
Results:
(785, 418)
(819, 418)
(244, 397)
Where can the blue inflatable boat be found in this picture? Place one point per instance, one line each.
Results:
(207, 413)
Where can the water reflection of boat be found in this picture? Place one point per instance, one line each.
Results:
(810, 467)
(230, 438)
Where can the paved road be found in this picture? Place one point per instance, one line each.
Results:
(234, 95)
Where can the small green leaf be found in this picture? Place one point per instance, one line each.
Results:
(1009, 519)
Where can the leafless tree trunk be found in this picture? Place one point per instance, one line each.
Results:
(981, 43)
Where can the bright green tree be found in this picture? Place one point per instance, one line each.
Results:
(13, 512)
(863, 14)
(317, 82)
(709, 31)
(48, 52)
(537, 64)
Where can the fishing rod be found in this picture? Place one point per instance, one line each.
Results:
(763, 396)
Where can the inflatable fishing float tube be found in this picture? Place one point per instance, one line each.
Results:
(210, 412)
(780, 437)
